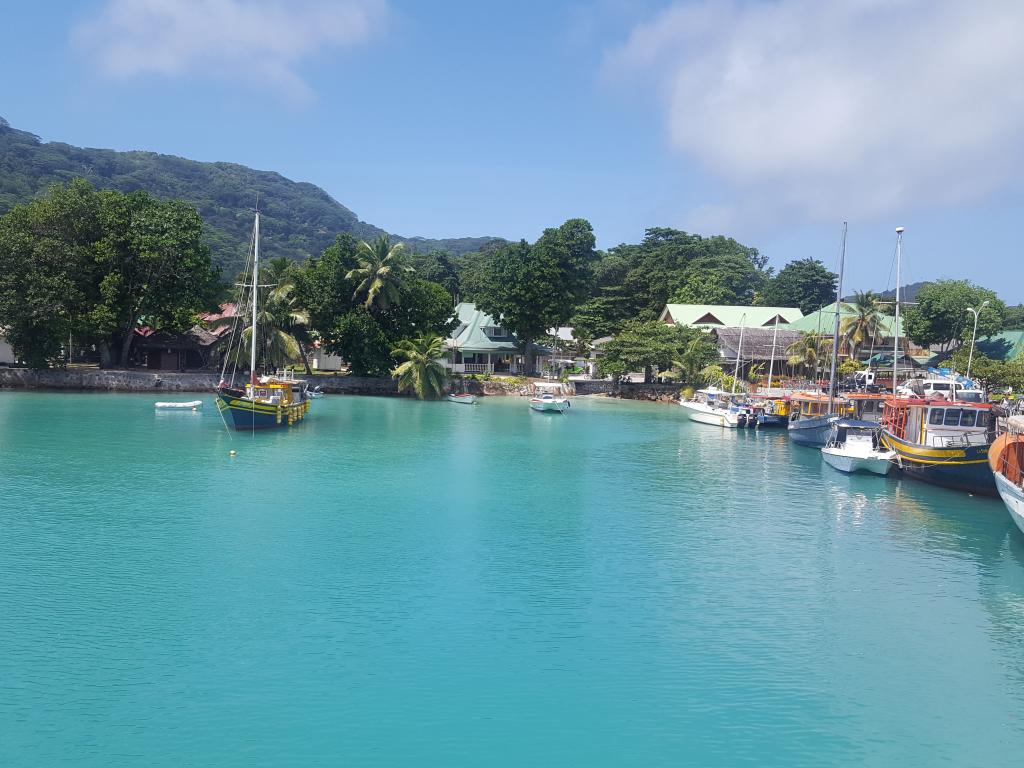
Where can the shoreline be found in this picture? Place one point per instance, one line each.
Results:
(108, 380)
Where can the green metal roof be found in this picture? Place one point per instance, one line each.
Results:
(1008, 345)
(725, 316)
(470, 336)
(823, 321)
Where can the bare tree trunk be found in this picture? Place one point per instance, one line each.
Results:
(305, 357)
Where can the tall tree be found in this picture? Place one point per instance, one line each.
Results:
(535, 288)
(865, 325)
(120, 260)
(380, 273)
(804, 283)
(650, 345)
(421, 372)
(940, 315)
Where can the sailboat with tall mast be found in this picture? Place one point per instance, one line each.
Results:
(812, 414)
(265, 402)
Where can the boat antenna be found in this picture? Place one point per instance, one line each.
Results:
(896, 322)
(835, 331)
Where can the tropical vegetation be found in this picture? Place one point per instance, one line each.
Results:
(421, 373)
(864, 326)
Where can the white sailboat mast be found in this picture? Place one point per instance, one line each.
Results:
(771, 363)
(739, 353)
(255, 294)
(835, 331)
(896, 323)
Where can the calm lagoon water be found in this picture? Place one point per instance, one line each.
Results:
(400, 583)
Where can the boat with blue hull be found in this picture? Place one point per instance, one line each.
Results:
(942, 442)
(265, 402)
(811, 418)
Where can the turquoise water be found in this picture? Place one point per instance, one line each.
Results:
(400, 583)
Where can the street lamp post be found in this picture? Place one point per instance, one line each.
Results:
(974, 334)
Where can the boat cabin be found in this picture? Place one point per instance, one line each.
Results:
(938, 423)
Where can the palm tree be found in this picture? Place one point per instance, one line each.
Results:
(380, 272)
(421, 372)
(280, 319)
(865, 325)
(806, 351)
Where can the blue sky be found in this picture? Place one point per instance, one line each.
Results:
(769, 122)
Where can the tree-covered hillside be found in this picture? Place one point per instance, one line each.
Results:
(299, 219)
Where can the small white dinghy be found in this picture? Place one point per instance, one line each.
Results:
(466, 398)
(855, 449)
(191, 405)
(548, 399)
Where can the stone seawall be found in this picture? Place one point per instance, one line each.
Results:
(165, 381)
(629, 391)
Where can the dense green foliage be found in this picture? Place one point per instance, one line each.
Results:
(636, 281)
(299, 219)
(941, 313)
(365, 336)
(993, 373)
(804, 283)
(534, 288)
(421, 373)
(650, 345)
(94, 266)
(1013, 320)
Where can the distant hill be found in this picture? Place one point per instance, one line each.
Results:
(907, 292)
(299, 219)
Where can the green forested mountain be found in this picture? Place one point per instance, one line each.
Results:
(299, 219)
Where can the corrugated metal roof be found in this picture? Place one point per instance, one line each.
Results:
(1007, 345)
(470, 335)
(823, 321)
(712, 315)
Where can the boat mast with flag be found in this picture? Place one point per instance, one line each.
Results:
(265, 402)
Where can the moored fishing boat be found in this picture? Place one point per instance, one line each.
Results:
(773, 412)
(265, 402)
(853, 449)
(1006, 459)
(941, 442)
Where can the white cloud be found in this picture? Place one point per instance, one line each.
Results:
(825, 110)
(262, 40)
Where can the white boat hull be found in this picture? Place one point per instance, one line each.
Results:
(876, 463)
(191, 405)
(558, 406)
(704, 415)
(464, 399)
(1013, 498)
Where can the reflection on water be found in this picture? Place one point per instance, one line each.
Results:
(405, 583)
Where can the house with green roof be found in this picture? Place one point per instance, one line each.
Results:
(823, 322)
(479, 344)
(709, 316)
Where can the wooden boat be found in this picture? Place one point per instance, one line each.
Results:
(1006, 459)
(190, 405)
(773, 412)
(855, 449)
(941, 442)
(466, 398)
(265, 402)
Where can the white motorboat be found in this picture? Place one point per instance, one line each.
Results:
(713, 406)
(191, 405)
(466, 398)
(549, 402)
(855, 449)
(314, 393)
